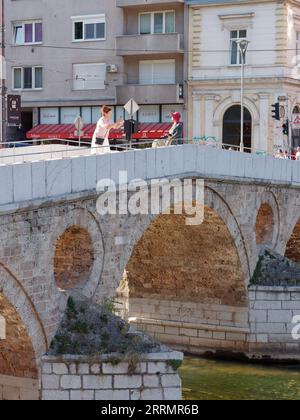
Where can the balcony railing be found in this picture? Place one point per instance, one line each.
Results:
(149, 44)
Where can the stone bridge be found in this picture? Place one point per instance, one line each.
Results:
(190, 286)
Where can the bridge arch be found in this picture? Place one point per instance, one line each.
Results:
(24, 340)
(81, 226)
(190, 279)
(293, 246)
(267, 222)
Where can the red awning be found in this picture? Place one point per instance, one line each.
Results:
(67, 131)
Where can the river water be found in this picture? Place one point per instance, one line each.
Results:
(218, 380)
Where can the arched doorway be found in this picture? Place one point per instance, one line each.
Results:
(232, 127)
(185, 285)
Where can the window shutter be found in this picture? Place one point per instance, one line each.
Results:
(164, 72)
(146, 73)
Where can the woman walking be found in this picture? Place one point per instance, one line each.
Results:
(101, 134)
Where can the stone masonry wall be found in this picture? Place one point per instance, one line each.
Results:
(17, 358)
(74, 257)
(189, 263)
(81, 378)
(193, 327)
(18, 389)
(271, 320)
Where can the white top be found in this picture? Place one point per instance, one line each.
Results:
(298, 156)
(102, 127)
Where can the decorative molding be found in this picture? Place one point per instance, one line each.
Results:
(232, 21)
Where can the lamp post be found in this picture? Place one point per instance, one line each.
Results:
(2, 75)
(243, 46)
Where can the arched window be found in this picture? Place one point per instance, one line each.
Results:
(296, 131)
(232, 127)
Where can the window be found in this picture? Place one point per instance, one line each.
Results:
(160, 72)
(236, 58)
(89, 76)
(298, 42)
(91, 28)
(28, 33)
(27, 78)
(157, 23)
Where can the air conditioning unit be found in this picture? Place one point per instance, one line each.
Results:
(112, 68)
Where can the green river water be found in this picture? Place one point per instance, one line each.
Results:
(217, 380)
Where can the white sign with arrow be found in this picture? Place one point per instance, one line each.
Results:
(131, 107)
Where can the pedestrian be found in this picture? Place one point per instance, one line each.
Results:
(104, 125)
(176, 131)
(298, 154)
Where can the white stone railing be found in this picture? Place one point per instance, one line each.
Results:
(43, 180)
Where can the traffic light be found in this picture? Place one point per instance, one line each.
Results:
(276, 111)
(286, 128)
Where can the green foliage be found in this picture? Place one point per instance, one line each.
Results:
(174, 364)
(110, 305)
(80, 327)
(71, 309)
(257, 271)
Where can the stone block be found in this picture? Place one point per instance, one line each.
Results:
(258, 316)
(70, 382)
(151, 381)
(50, 381)
(56, 396)
(121, 368)
(127, 382)
(60, 369)
(112, 395)
(97, 382)
(83, 369)
(173, 394)
(170, 381)
(280, 316)
(82, 395)
(152, 395)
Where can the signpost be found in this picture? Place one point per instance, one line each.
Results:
(14, 110)
(79, 124)
(296, 121)
(130, 125)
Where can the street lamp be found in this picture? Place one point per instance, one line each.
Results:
(243, 46)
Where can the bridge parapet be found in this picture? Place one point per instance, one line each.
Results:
(44, 180)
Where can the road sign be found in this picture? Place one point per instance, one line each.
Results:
(78, 133)
(296, 121)
(79, 124)
(14, 110)
(131, 107)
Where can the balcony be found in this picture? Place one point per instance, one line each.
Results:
(150, 94)
(134, 3)
(128, 45)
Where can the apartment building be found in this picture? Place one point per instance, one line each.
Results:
(271, 70)
(65, 58)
